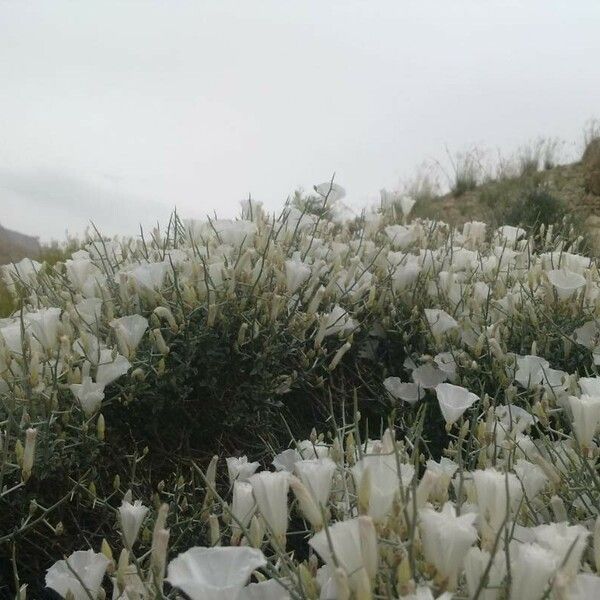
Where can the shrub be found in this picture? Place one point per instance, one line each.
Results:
(535, 207)
(135, 362)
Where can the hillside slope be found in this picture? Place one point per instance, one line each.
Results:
(15, 246)
(572, 189)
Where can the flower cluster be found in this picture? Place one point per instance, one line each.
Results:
(478, 477)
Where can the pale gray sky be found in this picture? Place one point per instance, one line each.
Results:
(118, 111)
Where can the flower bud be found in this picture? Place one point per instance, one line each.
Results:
(28, 453)
(100, 427)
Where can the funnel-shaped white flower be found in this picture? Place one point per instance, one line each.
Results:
(242, 506)
(337, 321)
(109, 368)
(347, 547)
(454, 401)
(384, 481)
(590, 385)
(446, 539)
(239, 469)
(440, 321)
(565, 282)
(498, 496)
(296, 273)
(476, 563)
(89, 395)
(81, 574)
(427, 376)
(150, 275)
(509, 235)
(285, 461)
(214, 573)
(532, 477)
(270, 589)
(131, 516)
(317, 474)
(532, 567)
(43, 326)
(474, 232)
(567, 542)
(130, 331)
(530, 370)
(409, 392)
(332, 191)
(271, 492)
(584, 587)
(406, 204)
(586, 417)
(401, 236)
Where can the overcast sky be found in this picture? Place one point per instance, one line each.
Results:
(118, 111)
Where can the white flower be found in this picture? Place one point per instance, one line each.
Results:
(337, 321)
(514, 418)
(590, 385)
(82, 567)
(401, 236)
(530, 370)
(474, 232)
(89, 395)
(239, 469)
(109, 369)
(43, 326)
(285, 461)
(584, 587)
(446, 362)
(441, 474)
(428, 376)
(317, 475)
(509, 234)
(89, 310)
(332, 191)
(409, 392)
(347, 546)
(131, 516)
(406, 204)
(424, 593)
(235, 233)
(532, 567)
(446, 539)
(440, 321)
(270, 492)
(498, 496)
(532, 477)
(82, 273)
(586, 418)
(150, 275)
(270, 589)
(296, 273)
(242, 506)
(129, 331)
(565, 282)
(454, 400)
(564, 541)
(214, 573)
(384, 481)
(476, 563)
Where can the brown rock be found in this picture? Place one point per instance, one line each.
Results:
(591, 167)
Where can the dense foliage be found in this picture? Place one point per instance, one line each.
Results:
(418, 405)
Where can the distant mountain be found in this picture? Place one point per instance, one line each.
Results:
(15, 246)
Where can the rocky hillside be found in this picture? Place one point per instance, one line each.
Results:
(572, 190)
(15, 246)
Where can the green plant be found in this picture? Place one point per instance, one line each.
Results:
(535, 207)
